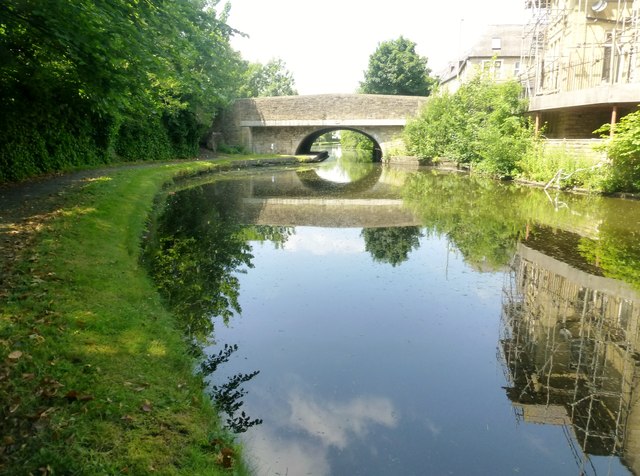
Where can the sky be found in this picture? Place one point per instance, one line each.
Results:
(326, 44)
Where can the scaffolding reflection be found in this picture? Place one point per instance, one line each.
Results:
(570, 347)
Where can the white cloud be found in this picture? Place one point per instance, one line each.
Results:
(271, 455)
(433, 428)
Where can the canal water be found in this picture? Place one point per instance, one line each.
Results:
(409, 321)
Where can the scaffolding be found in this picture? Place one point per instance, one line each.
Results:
(570, 45)
(533, 43)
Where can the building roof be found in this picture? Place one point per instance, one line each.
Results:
(502, 41)
(510, 44)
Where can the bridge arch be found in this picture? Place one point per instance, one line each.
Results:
(304, 147)
(284, 124)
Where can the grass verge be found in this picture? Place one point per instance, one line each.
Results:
(94, 376)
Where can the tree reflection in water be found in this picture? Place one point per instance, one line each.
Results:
(485, 220)
(391, 245)
(477, 215)
(194, 256)
(198, 247)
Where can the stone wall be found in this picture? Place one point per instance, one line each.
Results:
(287, 140)
(576, 148)
(578, 123)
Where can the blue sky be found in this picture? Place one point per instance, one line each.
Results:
(326, 44)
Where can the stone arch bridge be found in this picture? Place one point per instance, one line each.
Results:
(290, 124)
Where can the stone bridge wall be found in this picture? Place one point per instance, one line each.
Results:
(287, 139)
(280, 124)
(327, 106)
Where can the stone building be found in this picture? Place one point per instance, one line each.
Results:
(497, 53)
(581, 65)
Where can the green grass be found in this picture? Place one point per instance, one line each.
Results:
(94, 376)
(542, 165)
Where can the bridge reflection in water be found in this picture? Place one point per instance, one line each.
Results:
(570, 345)
(304, 198)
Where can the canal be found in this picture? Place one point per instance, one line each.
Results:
(395, 321)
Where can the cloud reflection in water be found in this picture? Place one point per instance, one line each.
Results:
(300, 442)
(325, 242)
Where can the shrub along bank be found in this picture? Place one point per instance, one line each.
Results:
(483, 126)
(95, 378)
(624, 151)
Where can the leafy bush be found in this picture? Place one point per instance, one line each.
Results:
(429, 134)
(32, 144)
(624, 151)
(482, 124)
(232, 149)
(355, 140)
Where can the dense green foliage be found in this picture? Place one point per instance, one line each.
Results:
(482, 124)
(624, 151)
(549, 164)
(395, 68)
(87, 82)
(352, 140)
(270, 79)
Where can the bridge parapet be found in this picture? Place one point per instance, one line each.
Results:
(328, 106)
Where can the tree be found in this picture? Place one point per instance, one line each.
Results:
(396, 68)
(270, 79)
(86, 82)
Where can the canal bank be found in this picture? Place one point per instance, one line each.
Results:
(94, 376)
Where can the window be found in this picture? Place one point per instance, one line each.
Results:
(496, 43)
(497, 69)
(492, 68)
